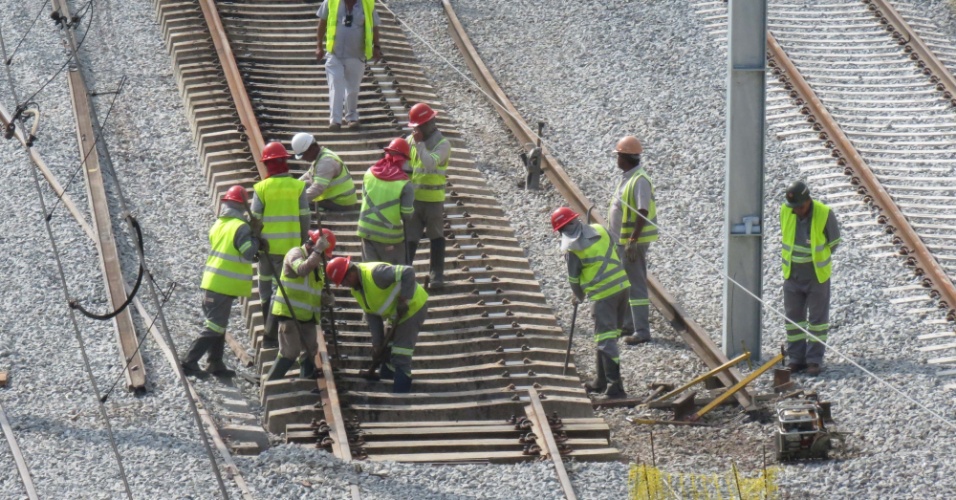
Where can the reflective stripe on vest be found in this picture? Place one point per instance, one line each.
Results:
(226, 271)
(382, 301)
(368, 7)
(381, 216)
(341, 189)
(429, 182)
(629, 216)
(603, 275)
(280, 220)
(305, 295)
(820, 250)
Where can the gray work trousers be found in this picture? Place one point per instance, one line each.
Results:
(373, 251)
(268, 275)
(403, 342)
(345, 79)
(807, 305)
(429, 217)
(638, 300)
(609, 315)
(215, 310)
(293, 342)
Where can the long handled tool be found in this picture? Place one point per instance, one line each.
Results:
(327, 288)
(567, 355)
(379, 357)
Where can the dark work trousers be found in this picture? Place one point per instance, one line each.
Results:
(609, 315)
(215, 310)
(403, 342)
(638, 300)
(807, 305)
(293, 342)
(389, 253)
(267, 278)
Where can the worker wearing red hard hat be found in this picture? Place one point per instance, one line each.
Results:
(299, 309)
(228, 274)
(596, 272)
(387, 199)
(281, 207)
(428, 160)
(632, 222)
(389, 292)
(328, 180)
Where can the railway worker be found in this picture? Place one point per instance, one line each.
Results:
(298, 314)
(349, 37)
(596, 272)
(387, 204)
(632, 219)
(430, 152)
(228, 275)
(328, 181)
(810, 234)
(384, 291)
(280, 209)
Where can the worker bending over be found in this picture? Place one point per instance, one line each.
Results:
(328, 181)
(387, 199)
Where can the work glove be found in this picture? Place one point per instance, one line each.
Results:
(401, 309)
(263, 244)
(575, 300)
(631, 251)
(328, 300)
(321, 245)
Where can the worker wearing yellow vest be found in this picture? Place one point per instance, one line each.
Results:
(280, 206)
(632, 221)
(228, 274)
(299, 309)
(328, 181)
(384, 291)
(810, 234)
(428, 163)
(348, 34)
(387, 199)
(595, 272)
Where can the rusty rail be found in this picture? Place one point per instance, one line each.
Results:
(847, 155)
(692, 333)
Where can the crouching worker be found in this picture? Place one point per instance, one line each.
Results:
(390, 292)
(595, 271)
(298, 304)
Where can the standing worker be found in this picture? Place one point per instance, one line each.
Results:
(300, 313)
(810, 234)
(430, 152)
(390, 292)
(228, 275)
(349, 36)
(632, 217)
(328, 181)
(281, 207)
(595, 271)
(387, 204)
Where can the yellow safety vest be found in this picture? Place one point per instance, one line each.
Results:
(341, 189)
(429, 184)
(368, 7)
(382, 301)
(629, 215)
(602, 274)
(305, 295)
(226, 271)
(280, 220)
(381, 216)
(819, 249)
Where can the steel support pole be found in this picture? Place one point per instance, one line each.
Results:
(743, 193)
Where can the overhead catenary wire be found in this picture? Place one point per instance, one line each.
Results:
(8, 60)
(934, 414)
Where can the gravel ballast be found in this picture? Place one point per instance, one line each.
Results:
(648, 69)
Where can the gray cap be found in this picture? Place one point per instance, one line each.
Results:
(797, 193)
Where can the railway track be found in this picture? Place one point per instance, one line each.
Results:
(871, 108)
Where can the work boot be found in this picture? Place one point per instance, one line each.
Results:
(814, 369)
(403, 383)
(615, 387)
(307, 369)
(214, 364)
(436, 266)
(270, 335)
(599, 384)
(796, 367)
(190, 363)
(635, 340)
(386, 373)
(279, 368)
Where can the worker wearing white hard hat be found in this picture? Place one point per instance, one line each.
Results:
(329, 182)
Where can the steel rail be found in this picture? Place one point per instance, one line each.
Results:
(692, 333)
(845, 152)
(539, 419)
(18, 456)
(332, 408)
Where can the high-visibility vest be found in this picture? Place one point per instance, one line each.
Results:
(341, 189)
(368, 7)
(429, 183)
(382, 301)
(280, 220)
(305, 295)
(629, 214)
(381, 216)
(602, 274)
(819, 249)
(226, 271)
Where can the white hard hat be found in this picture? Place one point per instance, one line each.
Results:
(300, 143)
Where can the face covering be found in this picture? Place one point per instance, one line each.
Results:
(576, 236)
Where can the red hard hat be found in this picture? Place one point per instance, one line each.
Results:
(562, 217)
(336, 268)
(274, 150)
(399, 147)
(419, 114)
(236, 193)
(329, 235)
